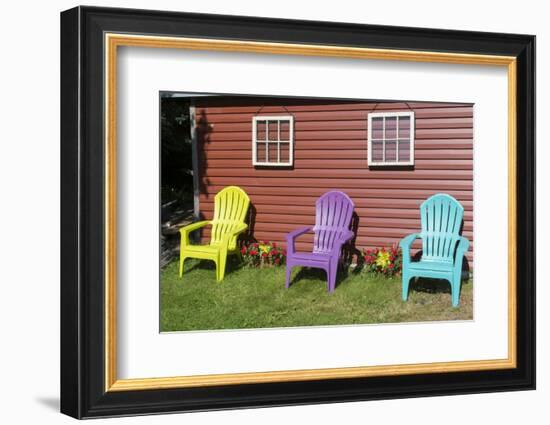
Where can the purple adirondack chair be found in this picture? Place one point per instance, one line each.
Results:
(332, 221)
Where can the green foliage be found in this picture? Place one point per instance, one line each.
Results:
(383, 261)
(263, 254)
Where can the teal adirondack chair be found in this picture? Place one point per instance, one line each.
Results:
(442, 246)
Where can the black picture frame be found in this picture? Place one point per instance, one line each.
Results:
(83, 392)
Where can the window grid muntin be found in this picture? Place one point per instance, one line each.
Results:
(257, 139)
(371, 140)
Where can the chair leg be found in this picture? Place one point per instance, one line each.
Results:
(405, 286)
(217, 265)
(332, 272)
(455, 289)
(221, 267)
(455, 295)
(182, 259)
(288, 274)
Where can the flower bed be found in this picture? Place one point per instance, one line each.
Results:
(383, 261)
(263, 254)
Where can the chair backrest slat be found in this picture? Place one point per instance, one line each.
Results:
(441, 217)
(230, 208)
(333, 215)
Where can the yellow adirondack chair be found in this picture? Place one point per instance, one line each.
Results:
(230, 208)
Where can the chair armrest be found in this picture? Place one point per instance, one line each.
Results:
(341, 241)
(239, 229)
(407, 241)
(405, 245)
(290, 237)
(185, 230)
(463, 245)
(346, 237)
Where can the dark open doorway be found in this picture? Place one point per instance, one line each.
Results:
(177, 177)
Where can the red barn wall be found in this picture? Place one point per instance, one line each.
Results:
(330, 152)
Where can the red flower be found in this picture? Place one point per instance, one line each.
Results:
(253, 252)
(277, 261)
(264, 254)
(284, 251)
(243, 250)
(274, 245)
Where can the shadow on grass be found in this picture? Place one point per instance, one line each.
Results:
(430, 286)
(437, 286)
(433, 286)
(312, 273)
(233, 264)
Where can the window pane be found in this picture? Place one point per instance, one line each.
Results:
(260, 152)
(260, 130)
(404, 150)
(285, 130)
(404, 127)
(377, 128)
(272, 150)
(273, 132)
(377, 150)
(391, 151)
(285, 152)
(391, 128)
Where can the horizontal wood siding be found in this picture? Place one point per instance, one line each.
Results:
(330, 152)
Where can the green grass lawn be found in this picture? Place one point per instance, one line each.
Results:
(257, 298)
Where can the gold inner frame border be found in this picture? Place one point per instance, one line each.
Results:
(111, 43)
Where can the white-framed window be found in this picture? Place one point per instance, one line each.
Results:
(390, 138)
(273, 140)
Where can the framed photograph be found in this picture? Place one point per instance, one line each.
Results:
(261, 212)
